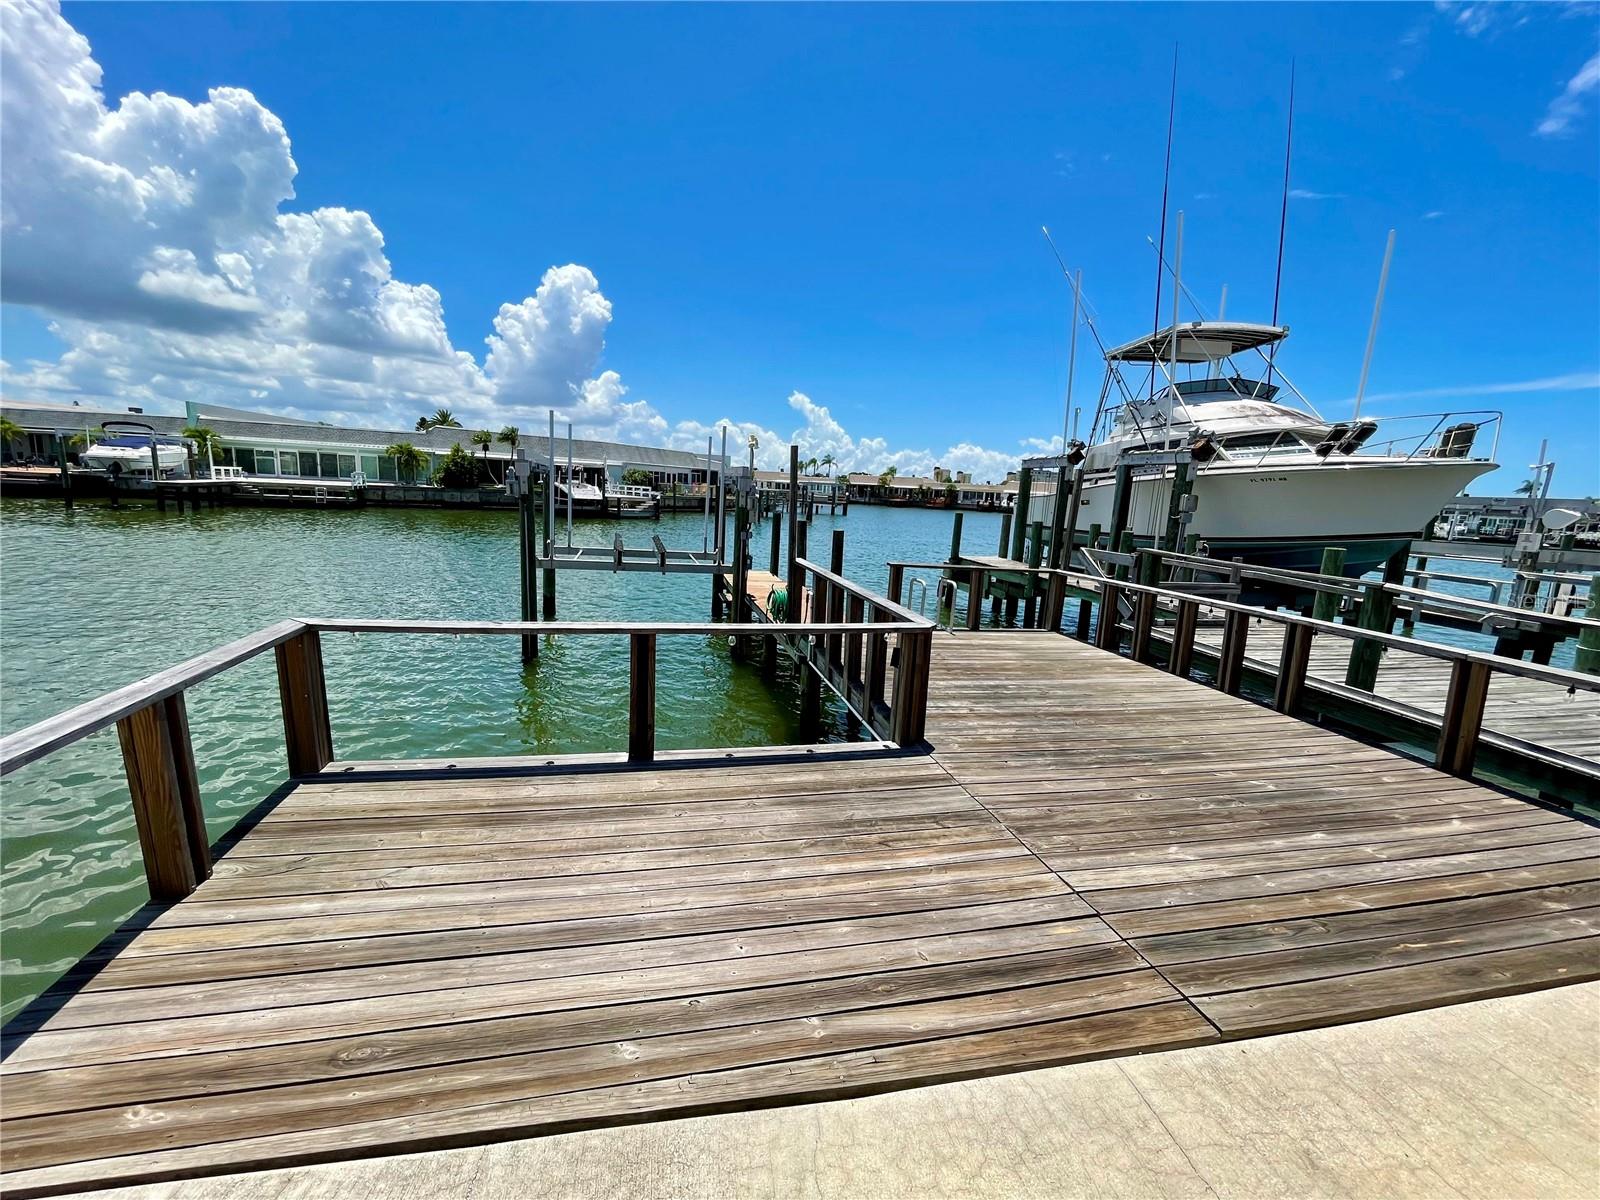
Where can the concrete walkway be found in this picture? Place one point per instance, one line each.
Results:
(1499, 1098)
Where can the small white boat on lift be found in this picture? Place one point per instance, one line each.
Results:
(1274, 483)
(128, 454)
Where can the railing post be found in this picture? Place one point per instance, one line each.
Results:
(876, 670)
(910, 716)
(855, 686)
(1230, 660)
(897, 580)
(1055, 601)
(1181, 659)
(777, 544)
(166, 798)
(641, 697)
(1463, 717)
(1292, 665)
(1107, 634)
(303, 691)
(796, 585)
(1144, 616)
(975, 588)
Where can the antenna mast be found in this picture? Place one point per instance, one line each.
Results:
(1166, 180)
(1283, 222)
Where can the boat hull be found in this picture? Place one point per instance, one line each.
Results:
(1286, 515)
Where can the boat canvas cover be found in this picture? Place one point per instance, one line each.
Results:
(1198, 341)
(136, 442)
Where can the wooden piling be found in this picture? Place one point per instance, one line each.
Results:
(1326, 606)
(1588, 660)
(1019, 521)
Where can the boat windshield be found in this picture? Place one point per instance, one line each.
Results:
(138, 441)
(1201, 391)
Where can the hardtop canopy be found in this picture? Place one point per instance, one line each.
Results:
(1198, 341)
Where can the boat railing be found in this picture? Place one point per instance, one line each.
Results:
(1423, 443)
(850, 648)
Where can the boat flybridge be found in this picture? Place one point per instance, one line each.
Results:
(1274, 483)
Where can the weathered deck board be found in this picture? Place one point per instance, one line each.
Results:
(1094, 859)
(1278, 875)
(1542, 714)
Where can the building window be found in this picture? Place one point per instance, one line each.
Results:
(330, 465)
(289, 462)
(369, 465)
(266, 462)
(386, 470)
(308, 462)
(347, 465)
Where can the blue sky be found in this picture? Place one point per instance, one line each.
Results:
(844, 202)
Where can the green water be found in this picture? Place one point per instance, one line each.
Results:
(99, 597)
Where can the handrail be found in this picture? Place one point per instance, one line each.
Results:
(1508, 666)
(153, 728)
(855, 589)
(37, 740)
(666, 628)
(1310, 581)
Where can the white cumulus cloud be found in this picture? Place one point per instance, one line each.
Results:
(156, 235)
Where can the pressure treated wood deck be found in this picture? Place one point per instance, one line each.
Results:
(1533, 712)
(1095, 859)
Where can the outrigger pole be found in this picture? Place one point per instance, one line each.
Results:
(1166, 180)
(1372, 333)
(1283, 223)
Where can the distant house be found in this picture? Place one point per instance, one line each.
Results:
(262, 444)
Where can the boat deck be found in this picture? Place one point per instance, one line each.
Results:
(1094, 859)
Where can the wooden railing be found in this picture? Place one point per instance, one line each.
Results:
(153, 728)
(1128, 613)
(854, 660)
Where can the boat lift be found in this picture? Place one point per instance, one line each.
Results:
(542, 556)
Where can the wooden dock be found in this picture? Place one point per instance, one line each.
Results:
(1089, 858)
(1538, 715)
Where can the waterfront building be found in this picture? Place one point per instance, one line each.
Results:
(267, 445)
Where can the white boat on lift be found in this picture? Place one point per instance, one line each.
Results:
(1274, 483)
(128, 454)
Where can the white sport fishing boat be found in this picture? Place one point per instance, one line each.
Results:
(1274, 483)
(129, 454)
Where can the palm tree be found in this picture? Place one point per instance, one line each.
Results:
(442, 418)
(206, 443)
(408, 460)
(10, 432)
(510, 435)
(887, 476)
(808, 466)
(484, 439)
(829, 461)
(1527, 487)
